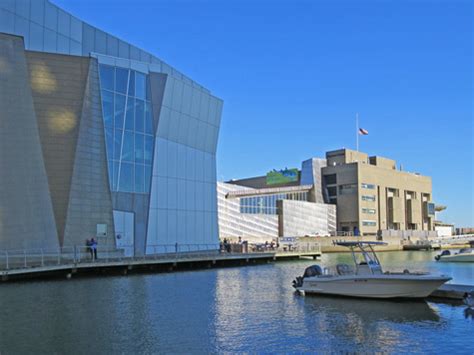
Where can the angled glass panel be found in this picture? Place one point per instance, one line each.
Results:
(148, 150)
(126, 177)
(139, 148)
(147, 178)
(139, 115)
(130, 115)
(106, 73)
(148, 88)
(108, 108)
(110, 166)
(121, 80)
(109, 142)
(115, 173)
(119, 110)
(128, 146)
(140, 85)
(148, 119)
(117, 143)
(131, 84)
(139, 178)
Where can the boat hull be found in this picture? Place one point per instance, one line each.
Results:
(374, 286)
(460, 258)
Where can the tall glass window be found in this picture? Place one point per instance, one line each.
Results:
(129, 133)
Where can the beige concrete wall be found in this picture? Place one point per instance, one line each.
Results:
(351, 207)
(57, 84)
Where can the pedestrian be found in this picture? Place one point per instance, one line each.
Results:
(89, 248)
(94, 249)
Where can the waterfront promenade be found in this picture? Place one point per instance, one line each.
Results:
(71, 262)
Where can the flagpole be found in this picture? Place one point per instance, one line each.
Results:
(357, 131)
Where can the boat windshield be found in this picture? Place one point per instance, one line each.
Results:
(364, 256)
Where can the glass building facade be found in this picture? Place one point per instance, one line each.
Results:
(128, 124)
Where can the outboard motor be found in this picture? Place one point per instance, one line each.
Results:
(444, 253)
(313, 270)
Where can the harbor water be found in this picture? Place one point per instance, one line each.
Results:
(241, 309)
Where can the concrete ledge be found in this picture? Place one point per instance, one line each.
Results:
(452, 291)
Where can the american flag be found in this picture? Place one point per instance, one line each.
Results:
(363, 132)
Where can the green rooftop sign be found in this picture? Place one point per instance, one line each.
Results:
(284, 176)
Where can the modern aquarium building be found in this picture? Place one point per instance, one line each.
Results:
(99, 138)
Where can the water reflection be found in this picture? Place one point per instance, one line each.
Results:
(372, 310)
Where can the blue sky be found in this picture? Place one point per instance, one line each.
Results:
(293, 74)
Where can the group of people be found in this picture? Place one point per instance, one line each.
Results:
(91, 245)
(226, 246)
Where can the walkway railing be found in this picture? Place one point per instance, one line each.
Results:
(76, 255)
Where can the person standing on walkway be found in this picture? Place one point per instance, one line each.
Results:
(89, 248)
(94, 249)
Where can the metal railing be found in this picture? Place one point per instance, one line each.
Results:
(77, 255)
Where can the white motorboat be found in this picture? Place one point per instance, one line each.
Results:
(367, 279)
(464, 255)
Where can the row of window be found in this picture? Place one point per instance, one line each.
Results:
(368, 198)
(127, 113)
(369, 211)
(128, 146)
(268, 204)
(369, 223)
(125, 81)
(368, 186)
(129, 133)
(127, 177)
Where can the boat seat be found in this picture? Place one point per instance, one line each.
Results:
(344, 269)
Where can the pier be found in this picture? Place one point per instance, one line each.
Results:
(67, 263)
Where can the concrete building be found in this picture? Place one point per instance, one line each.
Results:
(267, 207)
(99, 138)
(372, 196)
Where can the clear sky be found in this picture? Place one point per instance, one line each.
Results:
(293, 74)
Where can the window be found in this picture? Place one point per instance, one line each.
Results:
(347, 189)
(330, 179)
(267, 204)
(369, 210)
(368, 186)
(368, 197)
(129, 131)
(369, 223)
(332, 191)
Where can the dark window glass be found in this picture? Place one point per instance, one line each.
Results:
(330, 179)
(108, 108)
(332, 191)
(119, 110)
(131, 84)
(129, 117)
(333, 201)
(139, 148)
(106, 73)
(128, 146)
(121, 79)
(139, 178)
(140, 85)
(117, 143)
(126, 177)
(148, 119)
(148, 149)
(139, 115)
